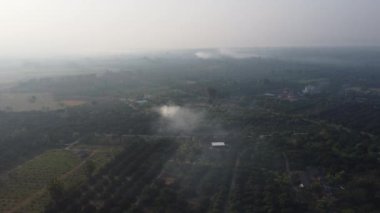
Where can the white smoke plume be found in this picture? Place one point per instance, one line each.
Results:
(178, 119)
(206, 55)
(235, 54)
(224, 53)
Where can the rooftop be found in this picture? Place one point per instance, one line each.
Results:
(218, 144)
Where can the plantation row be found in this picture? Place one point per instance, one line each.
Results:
(141, 179)
(32, 176)
(311, 172)
(261, 181)
(198, 180)
(27, 134)
(204, 189)
(117, 186)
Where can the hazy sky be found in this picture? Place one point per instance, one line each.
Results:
(41, 27)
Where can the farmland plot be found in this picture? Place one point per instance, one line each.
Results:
(24, 189)
(118, 184)
(34, 175)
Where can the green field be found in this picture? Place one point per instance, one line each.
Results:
(24, 189)
(33, 176)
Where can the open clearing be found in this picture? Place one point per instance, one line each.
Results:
(34, 175)
(24, 188)
(19, 101)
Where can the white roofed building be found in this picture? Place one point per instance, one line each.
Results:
(218, 144)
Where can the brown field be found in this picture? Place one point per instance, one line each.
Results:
(14, 101)
(17, 102)
(71, 103)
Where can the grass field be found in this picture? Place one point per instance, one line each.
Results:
(34, 175)
(24, 188)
